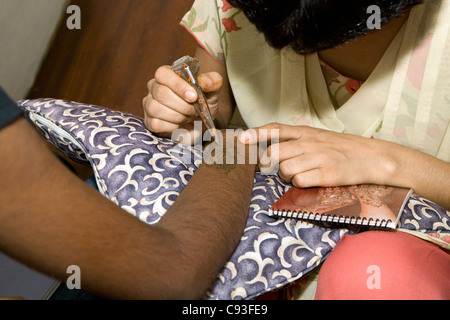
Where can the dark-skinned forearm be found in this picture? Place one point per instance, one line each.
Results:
(50, 219)
(209, 217)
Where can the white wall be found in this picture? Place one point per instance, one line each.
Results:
(26, 29)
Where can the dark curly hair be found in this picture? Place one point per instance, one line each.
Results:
(314, 25)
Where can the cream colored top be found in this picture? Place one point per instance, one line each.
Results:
(405, 100)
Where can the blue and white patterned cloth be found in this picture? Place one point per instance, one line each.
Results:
(144, 174)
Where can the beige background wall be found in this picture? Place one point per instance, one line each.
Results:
(26, 29)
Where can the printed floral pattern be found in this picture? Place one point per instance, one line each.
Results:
(441, 239)
(230, 25)
(226, 6)
(337, 83)
(411, 117)
(217, 43)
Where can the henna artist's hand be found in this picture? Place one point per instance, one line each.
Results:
(168, 105)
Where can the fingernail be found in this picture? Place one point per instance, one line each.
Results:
(206, 81)
(190, 96)
(245, 137)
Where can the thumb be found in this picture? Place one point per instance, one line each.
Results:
(210, 82)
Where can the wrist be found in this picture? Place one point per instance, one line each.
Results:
(391, 163)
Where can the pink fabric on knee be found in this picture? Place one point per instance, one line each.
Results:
(385, 265)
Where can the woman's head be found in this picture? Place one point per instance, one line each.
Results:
(314, 25)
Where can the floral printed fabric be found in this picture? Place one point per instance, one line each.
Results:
(211, 30)
(340, 87)
(406, 99)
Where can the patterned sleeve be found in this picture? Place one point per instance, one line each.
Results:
(209, 21)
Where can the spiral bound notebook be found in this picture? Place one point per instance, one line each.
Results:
(367, 205)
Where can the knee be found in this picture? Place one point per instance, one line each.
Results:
(385, 265)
